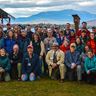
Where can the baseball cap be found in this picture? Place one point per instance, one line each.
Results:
(30, 46)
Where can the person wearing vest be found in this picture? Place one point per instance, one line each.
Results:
(39, 49)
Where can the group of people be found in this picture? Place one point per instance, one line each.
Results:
(48, 51)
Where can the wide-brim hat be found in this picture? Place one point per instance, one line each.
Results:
(55, 44)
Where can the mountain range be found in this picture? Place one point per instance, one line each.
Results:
(58, 17)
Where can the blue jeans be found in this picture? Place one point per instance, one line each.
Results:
(26, 77)
(39, 71)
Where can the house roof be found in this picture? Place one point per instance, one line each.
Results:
(5, 15)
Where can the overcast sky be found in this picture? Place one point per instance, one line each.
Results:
(25, 8)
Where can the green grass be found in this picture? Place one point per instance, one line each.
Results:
(46, 87)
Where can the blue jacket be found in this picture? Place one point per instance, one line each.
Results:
(72, 58)
(30, 65)
(60, 40)
(9, 43)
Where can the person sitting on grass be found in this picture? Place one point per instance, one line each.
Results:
(55, 61)
(4, 66)
(73, 64)
(30, 65)
(90, 67)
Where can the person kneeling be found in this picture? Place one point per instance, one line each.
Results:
(55, 61)
(90, 67)
(30, 65)
(4, 66)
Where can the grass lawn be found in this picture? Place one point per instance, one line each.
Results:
(46, 87)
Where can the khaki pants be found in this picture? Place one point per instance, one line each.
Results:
(2, 71)
(62, 70)
(4, 75)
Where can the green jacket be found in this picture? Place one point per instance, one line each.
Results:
(80, 48)
(90, 64)
(2, 42)
(5, 63)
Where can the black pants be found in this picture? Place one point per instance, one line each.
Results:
(14, 72)
(71, 74)
(56, 73)
(45, 66)
(91, 78)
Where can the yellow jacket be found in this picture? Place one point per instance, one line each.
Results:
(59, 54)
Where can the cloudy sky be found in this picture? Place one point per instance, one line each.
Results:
(25, 8)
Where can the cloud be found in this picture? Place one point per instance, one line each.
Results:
(24, 8)
(21, 12)
(87, 3)
(40, 2)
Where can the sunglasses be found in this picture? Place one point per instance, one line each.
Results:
(73, 46)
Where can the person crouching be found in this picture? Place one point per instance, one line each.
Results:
(4, 66)
(30, 65)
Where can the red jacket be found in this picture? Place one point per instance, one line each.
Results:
(64, 49)
(78, 33)
(92, 44)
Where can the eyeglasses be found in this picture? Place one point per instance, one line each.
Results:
(72, 46)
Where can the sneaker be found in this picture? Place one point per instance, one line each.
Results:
(62, 80)
(19, 79)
